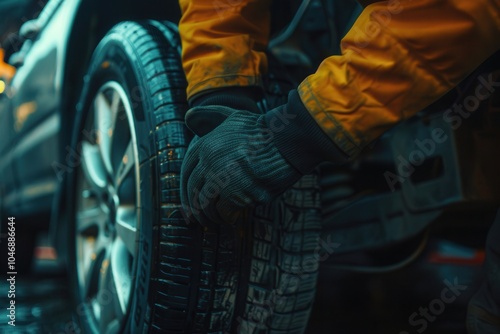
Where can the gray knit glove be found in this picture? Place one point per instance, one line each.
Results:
(232, 165)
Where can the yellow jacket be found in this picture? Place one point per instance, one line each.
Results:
(399, 57)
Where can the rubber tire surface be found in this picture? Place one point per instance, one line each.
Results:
(258, 276)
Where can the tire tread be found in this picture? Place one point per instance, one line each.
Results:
(285, 233)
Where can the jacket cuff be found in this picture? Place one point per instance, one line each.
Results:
(299, 138)
(239, 98)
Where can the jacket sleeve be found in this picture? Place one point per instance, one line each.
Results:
(223, 42)
(399, 57)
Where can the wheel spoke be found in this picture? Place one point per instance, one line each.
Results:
(93, 253)
(126, 165)
(121, 268)
(106, 114)
(106, 294)
(114, 287)
(93, 167)
(126, 227)
(115, 103)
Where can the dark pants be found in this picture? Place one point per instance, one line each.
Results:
(484, 308)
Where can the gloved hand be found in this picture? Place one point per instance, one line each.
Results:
(241, 159)
(232, 167)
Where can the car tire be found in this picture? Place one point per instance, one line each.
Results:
(136, 265)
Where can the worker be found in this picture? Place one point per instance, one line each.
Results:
(399, 57)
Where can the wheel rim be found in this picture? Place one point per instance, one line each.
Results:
(107, 202)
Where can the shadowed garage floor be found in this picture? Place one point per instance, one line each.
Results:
(41, 301)
(345, 303)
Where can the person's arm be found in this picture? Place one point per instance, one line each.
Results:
(399, 57)
(223, 43)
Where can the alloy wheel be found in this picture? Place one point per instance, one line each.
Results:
(107, 219)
